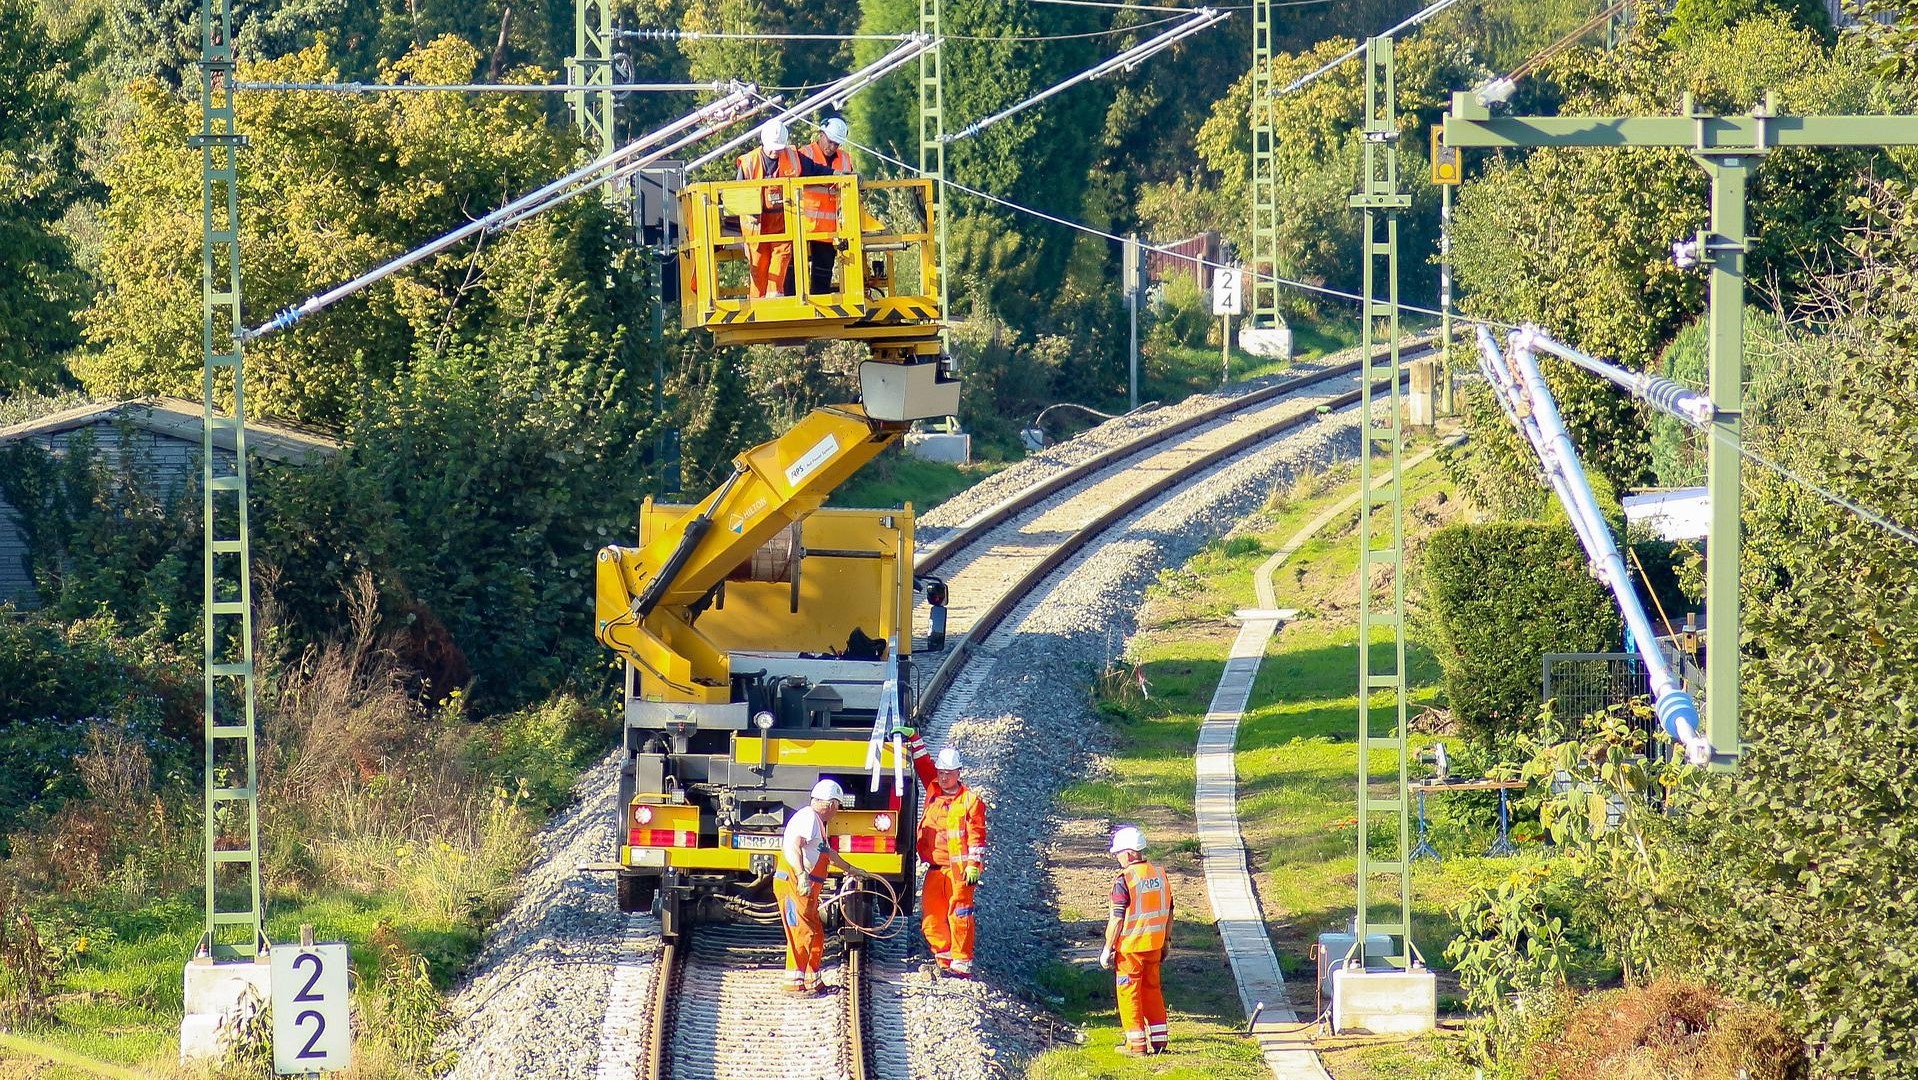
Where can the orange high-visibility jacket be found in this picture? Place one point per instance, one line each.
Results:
(820, 205)
(952, 827)
(752, 166)
(1148, 908)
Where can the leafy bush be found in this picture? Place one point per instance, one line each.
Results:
(58, 680)
(1183, 315)
(1511, 955)
(540, 749)
(1501, 595)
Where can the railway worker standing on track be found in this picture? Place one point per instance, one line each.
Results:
(1137, 936)
(796, 884)
(952, 844)
(820, 205)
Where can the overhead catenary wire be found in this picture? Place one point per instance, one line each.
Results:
(1356, 50)
(492, 88)
(1196, 260)
(722, 111)
(1126, 61)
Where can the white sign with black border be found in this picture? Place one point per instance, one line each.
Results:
(1228, 296)
(311, 1033)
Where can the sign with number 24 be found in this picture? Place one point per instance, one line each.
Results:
(310, 1028)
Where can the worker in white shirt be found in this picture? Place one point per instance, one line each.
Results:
(797, 882)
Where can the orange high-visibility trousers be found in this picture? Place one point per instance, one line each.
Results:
(946, 919)
(772, 260)
(1141, 1000)
(805, 932)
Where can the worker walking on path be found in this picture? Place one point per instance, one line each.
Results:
(1137, 936)
(952, 844)
(796, 885)
(775, 159)
(819, 203)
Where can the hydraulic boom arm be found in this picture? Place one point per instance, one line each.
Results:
(647, 596)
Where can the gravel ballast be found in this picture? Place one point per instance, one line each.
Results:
(535, 1004)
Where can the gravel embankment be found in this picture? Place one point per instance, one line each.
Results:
(1037, 467)
(536, 998)
(535, 1005)
(1021, 716)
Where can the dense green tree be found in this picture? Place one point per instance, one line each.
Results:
(41, 178)
(331, 186)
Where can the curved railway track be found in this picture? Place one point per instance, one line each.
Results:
(716, 1003)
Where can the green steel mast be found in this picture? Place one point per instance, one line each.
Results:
(232, 809)
(1264, 310)
(1382, 700)
(932, 134)
(592, 65)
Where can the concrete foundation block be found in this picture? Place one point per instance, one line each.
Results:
(952, 449)
(219, 998)
(1384, 1002)
(1270, 342)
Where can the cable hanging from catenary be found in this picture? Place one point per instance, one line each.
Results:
(1282, 282)
(1126, 61)
(495, 88)
(702, 123)
(1356, 50)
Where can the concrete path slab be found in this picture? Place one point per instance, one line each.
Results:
(1228, 877)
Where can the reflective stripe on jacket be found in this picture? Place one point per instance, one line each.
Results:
(952, 828)
(1148, 912)
(819, 204)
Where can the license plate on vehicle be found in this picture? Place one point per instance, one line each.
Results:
(756, 841)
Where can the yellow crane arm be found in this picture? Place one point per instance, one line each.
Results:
(645, 595)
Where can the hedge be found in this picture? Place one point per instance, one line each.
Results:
(1501, 595)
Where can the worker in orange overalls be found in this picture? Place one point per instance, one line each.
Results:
(772, 260)
(803, 869)
(1137, 936)
(952, 844)
(819, 204)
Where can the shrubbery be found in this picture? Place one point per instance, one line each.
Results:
(1501, 595)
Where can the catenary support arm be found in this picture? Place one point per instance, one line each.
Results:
(1528, 402)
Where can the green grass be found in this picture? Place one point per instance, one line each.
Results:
(121, 1001)
(895, 478)
(1296, 763)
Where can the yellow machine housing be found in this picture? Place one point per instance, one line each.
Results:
(763, 634)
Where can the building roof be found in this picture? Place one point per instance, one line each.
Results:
(1676, 514)
(178, 418)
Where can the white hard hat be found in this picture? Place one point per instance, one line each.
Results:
(948, 758)
(829, 791)
(772, 136)
(1128, 838)
(836, 129)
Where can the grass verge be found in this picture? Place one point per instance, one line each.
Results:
(1297, 757)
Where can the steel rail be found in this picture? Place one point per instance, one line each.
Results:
(652, 1062)
(989, 620)
(972, 529)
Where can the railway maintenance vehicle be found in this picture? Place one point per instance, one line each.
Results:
(768, 638)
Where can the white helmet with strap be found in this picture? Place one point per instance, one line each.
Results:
(836, 130)
(773, 137)
(829, 791)
(1128, 838)
(948, 758)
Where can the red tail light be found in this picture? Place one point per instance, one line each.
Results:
(866, 845)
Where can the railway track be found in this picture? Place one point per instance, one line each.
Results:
(717, 1010)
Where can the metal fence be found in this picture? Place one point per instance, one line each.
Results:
(1584, 683)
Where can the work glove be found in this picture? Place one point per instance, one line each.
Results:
(1105, 958)
(903, 733)
(974, 872)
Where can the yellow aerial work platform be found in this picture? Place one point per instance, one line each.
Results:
(887, 287)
